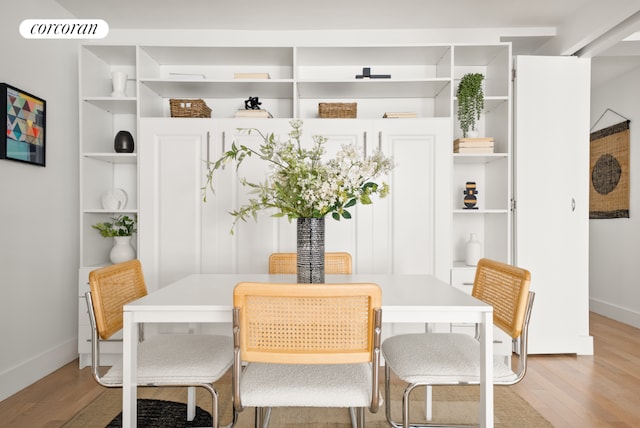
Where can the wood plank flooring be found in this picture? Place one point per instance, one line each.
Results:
(602, 390)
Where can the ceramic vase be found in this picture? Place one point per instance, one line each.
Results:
(122, 250)
(119, 84)
(123, 142)
(310, 252)
(473, 250)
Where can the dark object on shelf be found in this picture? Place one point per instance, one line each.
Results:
(338, 110)
(189, 108)
(366, 74)
(123, 143)
(470, 193)
(252, 103)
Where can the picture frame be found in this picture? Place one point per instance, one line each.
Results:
(24, 139)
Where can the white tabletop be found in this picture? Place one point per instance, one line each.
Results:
(405, 299)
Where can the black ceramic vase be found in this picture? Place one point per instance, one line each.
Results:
(123, 143)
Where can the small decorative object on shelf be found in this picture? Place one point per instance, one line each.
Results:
(473, 145)
(251, 76)
(189, 108)
(399, 114)
(366, 74)
(252, 103)
(119, 84)
(123, 142)
(470, 193)
(306, 186)
(114, 199)
(120, 229)
(470, 102)
(473, 250)
(338, 110)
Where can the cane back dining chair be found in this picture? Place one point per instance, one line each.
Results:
(306, 345)
(334, 263)
(427, 359)
(163, 360)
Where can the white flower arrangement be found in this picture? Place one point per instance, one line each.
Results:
(300, 184)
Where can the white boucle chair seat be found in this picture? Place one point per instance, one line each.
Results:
(433, 358)
(306, 385)
(179, 359)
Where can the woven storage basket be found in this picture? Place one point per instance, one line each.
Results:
(342, 110)
(189, 108)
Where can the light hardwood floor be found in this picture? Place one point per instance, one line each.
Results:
(602, 390)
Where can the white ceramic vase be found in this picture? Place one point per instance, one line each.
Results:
(473, 250)
(119, 82)
(122, 250)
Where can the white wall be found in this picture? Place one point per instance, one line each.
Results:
(39, 209)
(614, 256)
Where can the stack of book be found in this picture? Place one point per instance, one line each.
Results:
(400, 114)
(253, 113)
(473, 145)
(251, 76)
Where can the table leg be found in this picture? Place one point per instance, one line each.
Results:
(129, 371)
(486, 372)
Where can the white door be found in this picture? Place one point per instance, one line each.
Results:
(248, 249)
(418, 223)
(342, 235)
(551, 155)
(171, 167)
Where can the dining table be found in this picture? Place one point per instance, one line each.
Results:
(208, 298)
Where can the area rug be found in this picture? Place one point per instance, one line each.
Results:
(455, 405)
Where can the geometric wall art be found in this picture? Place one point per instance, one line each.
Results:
(609, 172)
(24, 139)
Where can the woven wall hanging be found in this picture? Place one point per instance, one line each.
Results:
(609, 172)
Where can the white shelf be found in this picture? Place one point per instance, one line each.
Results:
(477, 158)
(232, 88)
(480, 211)
(114, 212)
(116, 158)
(125, 105)
(372, 88)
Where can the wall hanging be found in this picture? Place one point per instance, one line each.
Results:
(24, 139)
(609, 171)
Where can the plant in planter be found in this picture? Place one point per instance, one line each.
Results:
(120, 229)
(120, 226)
(470, 101)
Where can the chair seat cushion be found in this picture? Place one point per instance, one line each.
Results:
(179, 359)
(439, 358)
(306, 385)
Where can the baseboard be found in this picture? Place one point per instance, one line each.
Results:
(618, 313)
(34, 369)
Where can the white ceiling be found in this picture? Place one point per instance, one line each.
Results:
(594, 28)
(325, 14)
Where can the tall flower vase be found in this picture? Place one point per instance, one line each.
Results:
(310, 254)
(122, 250)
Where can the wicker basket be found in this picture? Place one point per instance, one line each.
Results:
(189, 108)
(341, 110)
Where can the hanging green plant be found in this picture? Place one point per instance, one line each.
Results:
(470, 101)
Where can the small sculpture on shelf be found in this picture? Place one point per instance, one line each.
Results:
(470, 199)
(252, 103)
(123, 142)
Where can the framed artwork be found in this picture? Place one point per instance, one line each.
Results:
(24, 139)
